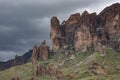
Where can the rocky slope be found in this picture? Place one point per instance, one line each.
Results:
(77, 66)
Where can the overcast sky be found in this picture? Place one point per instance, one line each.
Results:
(24, 23)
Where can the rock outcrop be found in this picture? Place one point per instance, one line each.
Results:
(97, 69)
(83, 38)
(77, 31)
(43, 50)
(40, 52)
(15, 60)
(55, 33)
(15, 78)
(50, 70)
(35, 53)
(70, 27)
(80, 30)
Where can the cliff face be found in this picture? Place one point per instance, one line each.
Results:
(85, 30)
(110, 17)
(88, 30)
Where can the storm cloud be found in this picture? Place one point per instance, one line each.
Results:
(24, 23)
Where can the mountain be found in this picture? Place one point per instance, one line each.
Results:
(84, 47)
(87, 30)
(19, 61)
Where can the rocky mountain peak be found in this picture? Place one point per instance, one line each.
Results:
(110, 12)
(79, 31)
(54, 21)
(114, 8)
(85, 13)
(74, 17)
(55, 33)
(111, 23)
(44, 42)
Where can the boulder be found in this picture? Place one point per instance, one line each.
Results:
(50, 70)
(15, 78)
(97, 69)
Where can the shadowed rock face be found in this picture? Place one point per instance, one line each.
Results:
(70, 27)
(80, 31)
(110, 17)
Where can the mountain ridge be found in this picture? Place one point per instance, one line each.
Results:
(81, 46)
(19, 61)
(81, 30)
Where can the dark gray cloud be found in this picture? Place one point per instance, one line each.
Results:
(24, 23)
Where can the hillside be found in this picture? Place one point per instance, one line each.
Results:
(76, 69)
(84, 47)
(19, 60)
